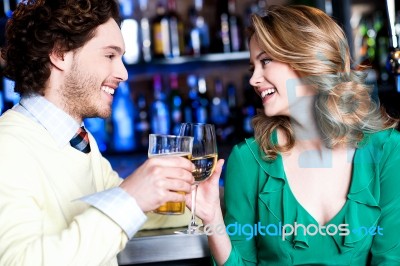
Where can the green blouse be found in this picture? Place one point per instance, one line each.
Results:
(259, 204)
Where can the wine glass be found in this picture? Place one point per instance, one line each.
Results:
(204, 157)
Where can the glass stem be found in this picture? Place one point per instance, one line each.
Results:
(193, 226)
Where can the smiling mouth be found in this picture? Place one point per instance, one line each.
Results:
(108, 90)
(267, 92)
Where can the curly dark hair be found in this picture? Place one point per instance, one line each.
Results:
(39, 27)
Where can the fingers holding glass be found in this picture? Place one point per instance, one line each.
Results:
(170, 146)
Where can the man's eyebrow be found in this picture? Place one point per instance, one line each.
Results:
(116, 48)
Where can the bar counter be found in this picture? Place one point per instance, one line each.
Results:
(164, 247)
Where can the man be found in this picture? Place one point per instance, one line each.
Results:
(60, 201)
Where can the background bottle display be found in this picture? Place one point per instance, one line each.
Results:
(219, 110)
(160, 32)
(196, 69)
(176, 31)
(235, 27)
(192, 102)
(230, 28)
(198, 37)
(123, 115)
(167, 31)
(8, 6)
(98, 127)
(176, 103)
(162, 29)
(160, 113)
(202, 111)
(2, 108)
(233, 130)
(145, 31)
(10, 98)
(142, 123)
(130, 32)
(248, 109)
(196, 105)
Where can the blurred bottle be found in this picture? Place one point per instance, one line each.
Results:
(234, 121)
(123, 114)
(8, 6)
(248, 110)
(2, 108)
(191, 103)
(191, 96)
(235, 27)
(160, 32)
(130, 32)
(382, 49)
(10, 97)
(145, 31)
(203, 98)
(176, 30)
(175, 103)
(219, 110)
(196, 107)
(168, 32)
(224, 33)
(142, 123)
(229, 32)
(160, 114)
(97, 126)
(198, 36)
(256, 7)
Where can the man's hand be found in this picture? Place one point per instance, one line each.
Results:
(157, 181)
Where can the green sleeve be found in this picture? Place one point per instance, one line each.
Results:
(241, 205)
(385, 248)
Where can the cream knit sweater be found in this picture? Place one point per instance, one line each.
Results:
(41, 220)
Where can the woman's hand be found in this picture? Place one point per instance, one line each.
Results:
(208, 205)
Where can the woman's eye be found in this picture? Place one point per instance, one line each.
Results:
(251, 69)
(110, 56)
(265, 61)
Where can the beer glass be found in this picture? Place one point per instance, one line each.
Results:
(170, 145)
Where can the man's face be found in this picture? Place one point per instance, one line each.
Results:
(95, 73)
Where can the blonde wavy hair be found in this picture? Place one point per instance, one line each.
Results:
(315, 46)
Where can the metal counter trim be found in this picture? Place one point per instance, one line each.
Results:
(163, 245)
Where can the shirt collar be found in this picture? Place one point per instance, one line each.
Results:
(61, 126)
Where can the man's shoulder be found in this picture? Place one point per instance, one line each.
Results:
(16, 128)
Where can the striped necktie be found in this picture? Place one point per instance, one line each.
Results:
(81, 141)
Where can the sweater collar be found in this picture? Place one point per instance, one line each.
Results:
(61, 126)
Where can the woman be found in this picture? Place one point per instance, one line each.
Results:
(318, 183)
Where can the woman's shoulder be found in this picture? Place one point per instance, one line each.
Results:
(381, 146)
(249, 155)
(248, 146)
(384, 137)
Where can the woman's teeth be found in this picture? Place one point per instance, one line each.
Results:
(108, 90)
(267, 92)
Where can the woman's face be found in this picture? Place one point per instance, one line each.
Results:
(281, 89)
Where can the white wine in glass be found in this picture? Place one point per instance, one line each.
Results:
(204, 157)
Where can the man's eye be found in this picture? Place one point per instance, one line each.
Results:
(110, 56)
(265, 61)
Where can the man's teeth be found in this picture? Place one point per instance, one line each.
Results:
(267, 92)
(108, 90)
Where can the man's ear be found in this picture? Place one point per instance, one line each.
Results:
(57, 59)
